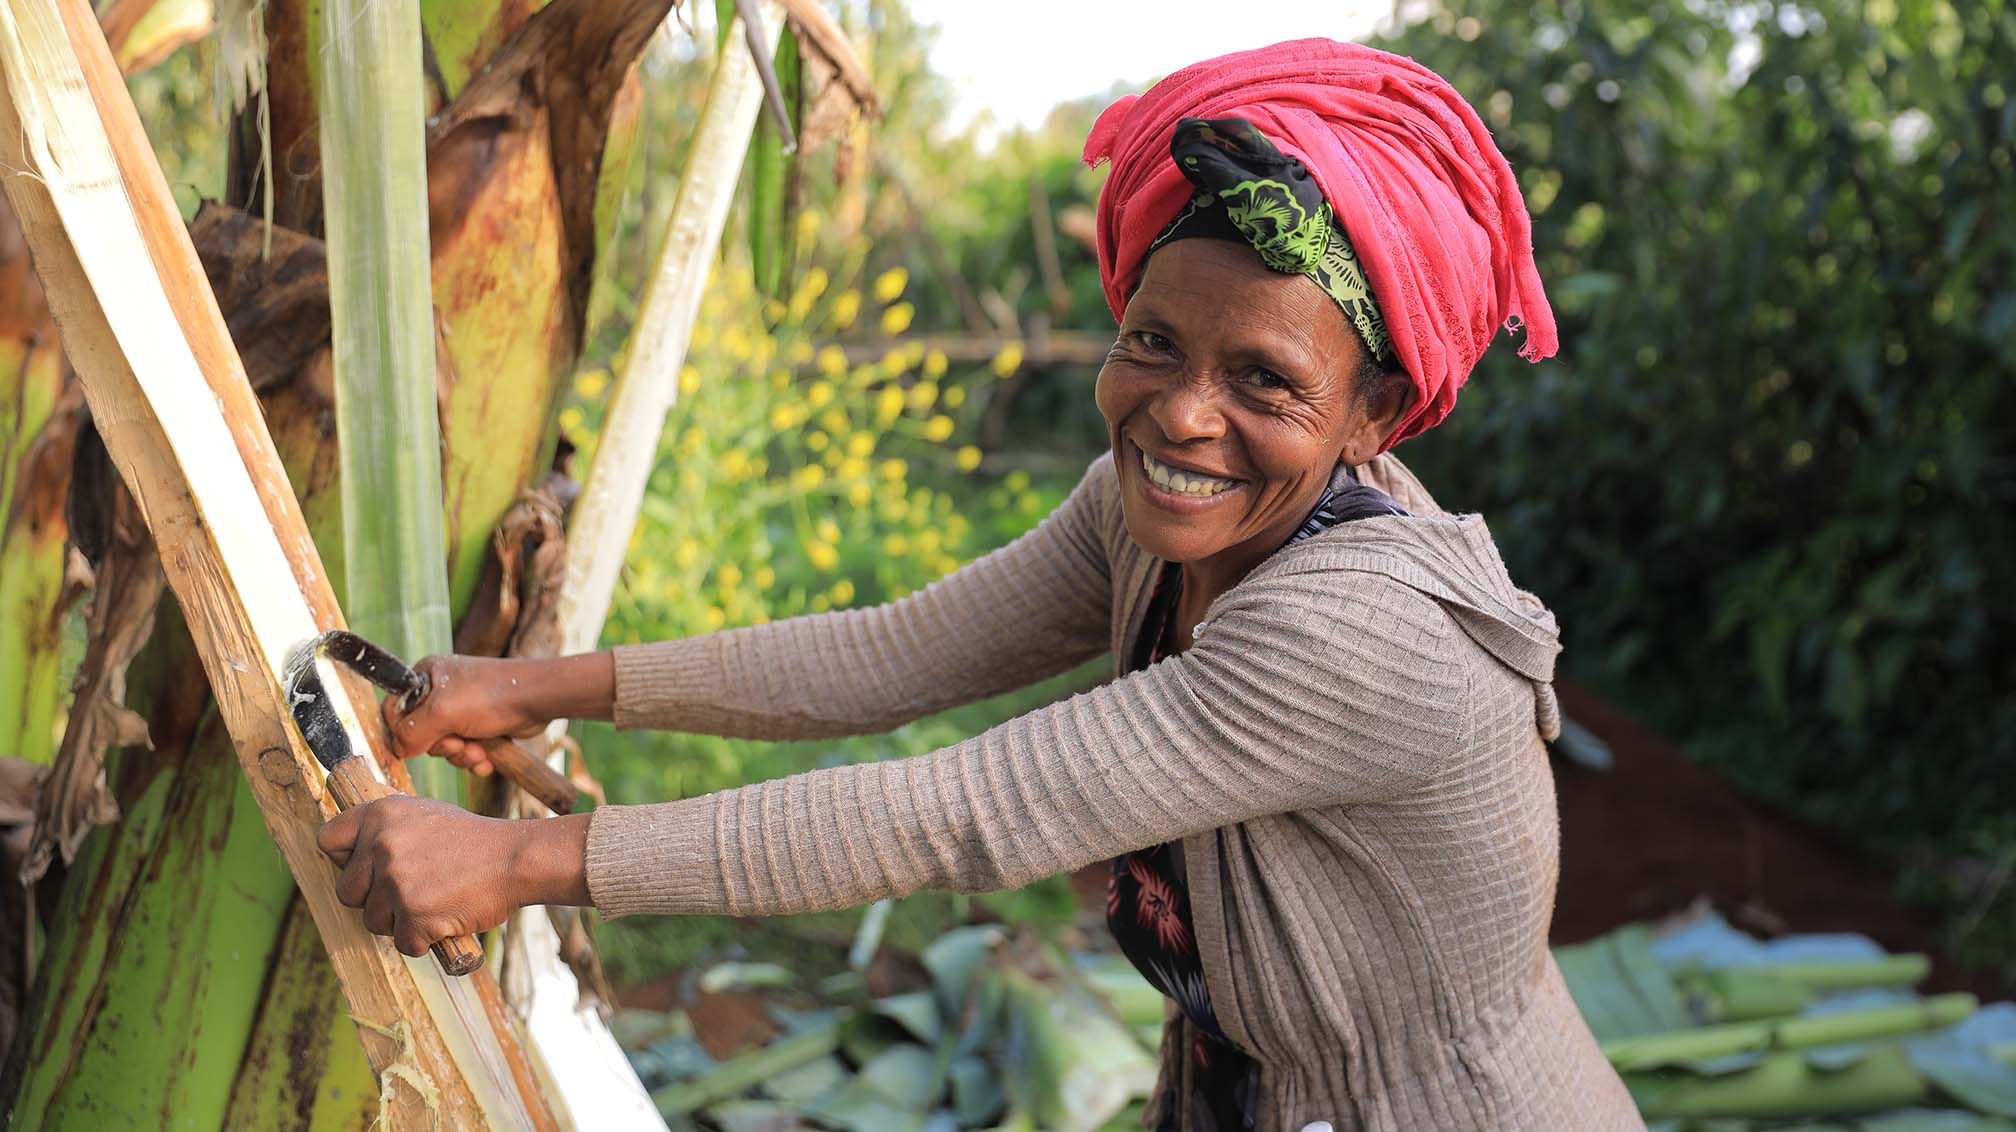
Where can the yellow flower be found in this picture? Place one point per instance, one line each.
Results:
(846, 308)
(823, 555)
(817, 441)
(799, 353)
(1016, 481)
(821, 603)
(761, 618)
(832, 361)
(954, 397)
(895, 546)
(860, 444)
(895, 469)
(923, 395)
(687, 553)
(764, 577)
(835, 420)
(773, 311)
(832, 458)
(852, 468)
(945, 564)
(888, 404)
(889, 285)
(1029, 503)
(1008, 360)
(895, 359)
(590, 385)
(759, 467)
(827, 530)
(689, 381)
(782, 418)
(808, 477)
(968, 458)
(714, 618)
(692, 440)
(859, 495)
(938, 428)
(843, 591)
(896, 510)
(571, 419)
(896, 319)
(935, 363)
(928, 543)
(735, 464)
(808, 230)
(730, 576)
(819, 393)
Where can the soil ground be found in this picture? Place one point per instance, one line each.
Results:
(1656, 833)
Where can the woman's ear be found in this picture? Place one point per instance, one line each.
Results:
(1380, 415)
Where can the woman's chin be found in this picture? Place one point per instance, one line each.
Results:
(1168, 537)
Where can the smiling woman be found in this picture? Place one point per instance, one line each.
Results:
(1319, 773)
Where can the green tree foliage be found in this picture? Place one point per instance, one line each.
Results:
(1768, 482)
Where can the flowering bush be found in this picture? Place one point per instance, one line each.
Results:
(796, 476)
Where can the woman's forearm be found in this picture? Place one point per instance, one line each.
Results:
(568, 687)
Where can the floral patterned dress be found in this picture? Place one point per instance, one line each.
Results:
(1148, 898)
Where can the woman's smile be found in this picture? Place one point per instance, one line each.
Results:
(1181, 486)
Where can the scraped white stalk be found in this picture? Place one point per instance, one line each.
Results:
(588, 1080)
(148, 359)
(599, 531)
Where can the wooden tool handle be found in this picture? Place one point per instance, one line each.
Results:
(532, 776)
(351, 784)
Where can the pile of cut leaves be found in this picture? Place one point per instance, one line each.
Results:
(1713, 1031)
(1009, 1034)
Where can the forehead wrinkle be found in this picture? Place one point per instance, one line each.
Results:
(1248, 310)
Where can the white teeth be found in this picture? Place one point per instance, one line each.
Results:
(1182, 483)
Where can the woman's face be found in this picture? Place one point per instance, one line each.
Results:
(1230, 398)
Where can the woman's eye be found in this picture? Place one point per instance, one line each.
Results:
(1266, 379)
(1149, 340)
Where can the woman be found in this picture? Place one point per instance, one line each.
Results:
(1320, 775)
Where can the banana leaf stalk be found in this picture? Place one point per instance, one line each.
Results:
(374, 188)
(1742, 994)
(738, 1075)
(1651, 1051)
(1784, 1084)
(643, 392)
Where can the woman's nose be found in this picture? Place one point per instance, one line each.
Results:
(1187, 410)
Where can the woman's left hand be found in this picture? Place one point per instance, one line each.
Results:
(424, 870)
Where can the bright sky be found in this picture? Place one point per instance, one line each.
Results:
(1017, 60)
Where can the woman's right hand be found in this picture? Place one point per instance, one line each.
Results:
(470, 698)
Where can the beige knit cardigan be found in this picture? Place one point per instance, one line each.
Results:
(1351, 753)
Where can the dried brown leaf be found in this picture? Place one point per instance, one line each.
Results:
(75, 797)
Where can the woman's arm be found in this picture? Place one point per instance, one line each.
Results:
(1031, 609)
(1034, 608)
(1302, 698)
(1299, 697)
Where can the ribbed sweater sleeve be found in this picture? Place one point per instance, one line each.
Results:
(1313, 689)
(1034, 608)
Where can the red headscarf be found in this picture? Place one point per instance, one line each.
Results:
(1431, 206)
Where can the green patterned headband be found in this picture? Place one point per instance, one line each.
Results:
(1248, 191)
